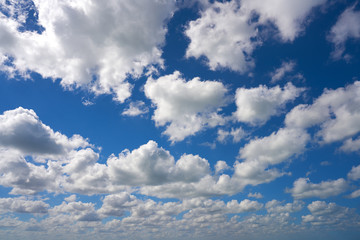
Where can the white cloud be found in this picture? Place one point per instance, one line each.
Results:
(354, 174)
(303, 188)
(343, 30)
(290, 17)
(236, 134)
(257, 105)
(255, 195)
(280, 72)
(355, 194)
(336, 111)
(82, 41)
(227, 33)
(221, 166)
(330, 214)
(22, 129)
(224, 36)
(150, 165)
(26, 178)
(22, 205)
(135, 109)
(351, 145)
(260, 154)
(277, 147)
(187, 106)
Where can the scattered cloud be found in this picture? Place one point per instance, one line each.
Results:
(279, 73)
(237, 134)
(135, 109)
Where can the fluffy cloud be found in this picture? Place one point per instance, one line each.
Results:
(257, 105)
(261, 153)
(188, 106)
(93, 44)
(343, 30)
(227, 32)
(336, 111)
(223, 34)
(22, 129)
(303, 188)
(288, 17)
(151, 165)
(25, 177)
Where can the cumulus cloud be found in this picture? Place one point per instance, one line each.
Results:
(223, 35)
(343, 30)
(280, 72)
(336, 111)
(303, 188)
(93, 44)
(22, 129)
(260, 154)
(27, 178)
(257, 105)
(135, 109)
(226, 33)
(289, 17)
(185, 107)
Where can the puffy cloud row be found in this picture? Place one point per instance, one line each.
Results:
(199, 218)
(150, 169)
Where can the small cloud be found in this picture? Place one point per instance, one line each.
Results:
(87, 102)
(325, 163)
(135, 109)
(280, 72)
(255, 195)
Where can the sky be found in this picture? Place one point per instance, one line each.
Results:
(180, 119)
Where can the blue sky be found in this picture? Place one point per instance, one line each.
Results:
(187, 119)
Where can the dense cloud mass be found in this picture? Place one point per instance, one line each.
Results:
(179, 119)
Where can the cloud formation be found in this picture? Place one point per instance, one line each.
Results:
(185, 107)
(93, 45)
